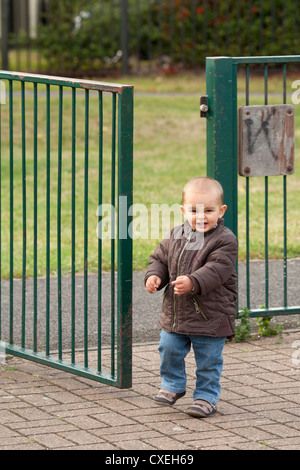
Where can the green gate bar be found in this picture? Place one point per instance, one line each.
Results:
(58, 92)
(222, 156)
(221, 134)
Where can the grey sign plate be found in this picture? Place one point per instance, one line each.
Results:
(266, 140)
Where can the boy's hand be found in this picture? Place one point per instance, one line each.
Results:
(182, 285)
(152, 284)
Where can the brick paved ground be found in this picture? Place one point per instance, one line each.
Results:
(42, 408)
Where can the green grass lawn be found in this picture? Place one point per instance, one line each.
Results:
(169, 149)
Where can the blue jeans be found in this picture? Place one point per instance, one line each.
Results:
(173, 349)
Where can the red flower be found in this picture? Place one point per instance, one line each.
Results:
(185, 13)
(199, 10)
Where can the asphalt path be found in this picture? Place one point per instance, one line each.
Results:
(146, 307)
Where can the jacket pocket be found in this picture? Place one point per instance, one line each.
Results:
(198, 309)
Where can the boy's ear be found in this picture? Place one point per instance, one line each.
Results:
(223, 210)
(182, 209)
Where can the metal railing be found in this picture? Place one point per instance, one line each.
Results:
(223, 101)
(66, 150)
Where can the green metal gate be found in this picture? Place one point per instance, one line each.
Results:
(228, 86)
(66, 155)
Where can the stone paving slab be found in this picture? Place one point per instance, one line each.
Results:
(259, 409)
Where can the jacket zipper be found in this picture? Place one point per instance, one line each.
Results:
(198, 309)
(178, 271)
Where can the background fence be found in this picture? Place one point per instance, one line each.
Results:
(93, 37)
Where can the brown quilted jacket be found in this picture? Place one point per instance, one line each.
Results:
(211, 308)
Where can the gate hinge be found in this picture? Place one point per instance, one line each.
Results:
(203, 106)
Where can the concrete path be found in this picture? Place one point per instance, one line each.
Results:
(259, 408)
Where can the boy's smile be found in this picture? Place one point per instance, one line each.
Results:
(202, 209)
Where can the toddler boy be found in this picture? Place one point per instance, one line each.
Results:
(196, 266)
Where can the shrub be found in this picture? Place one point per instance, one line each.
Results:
(85, 34)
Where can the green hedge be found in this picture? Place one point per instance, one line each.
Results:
(81, 35)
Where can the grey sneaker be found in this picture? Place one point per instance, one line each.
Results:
(164, 397)
(201, 409)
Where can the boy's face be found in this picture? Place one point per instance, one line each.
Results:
(202, 209)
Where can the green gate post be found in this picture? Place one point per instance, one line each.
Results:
(221, 90)
(125, 181)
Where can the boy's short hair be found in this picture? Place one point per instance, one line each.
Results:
(203, 183)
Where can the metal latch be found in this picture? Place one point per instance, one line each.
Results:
(203, 106)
